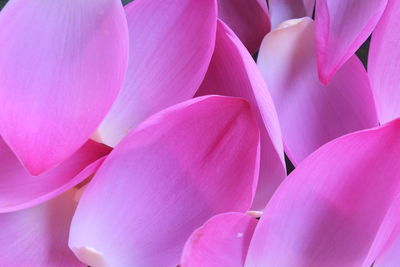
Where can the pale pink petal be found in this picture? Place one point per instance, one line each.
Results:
(310, 113)
(383, 63)
(165, 179)
(341, 28)
(337, 208)
(19, 190)
(391, 256)
(281, 10)
(171, 43)
(222, 241)
(62, 64)
(38, 236)
(248, 19)
(233, 72)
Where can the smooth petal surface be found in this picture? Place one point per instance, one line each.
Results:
(164, 180)
(38, 236)
(337, 208)
(310, 113)
(281, 10)
(171, 43)
(383, 66)
(249, 20)
(19, 190)
(233, 72)
(391, 256)
(221, 241)
(341, 28)
(62, 64)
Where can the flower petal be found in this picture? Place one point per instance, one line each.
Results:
(222, 241)
(383, 67)
(19, 190)
(167, 177)
(232, 72)
(337, 208)
(38, 236)
(281, 10)
(341, 28)
(170, 48)
(62, 64)
(248, 19)
(391, 256)
(310, 113)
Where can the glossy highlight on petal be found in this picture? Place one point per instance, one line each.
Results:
(309, 112)
(171, 43)
(341, 28)
(337, 208)
(62, 64)
(20, 190)
(233, 72)
(165, 179)
(248, 19)
(281, 10)
(222, 241)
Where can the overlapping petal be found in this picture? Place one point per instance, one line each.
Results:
(62, 64)
(171, 43)
(337, 208)
(391, 255)
(310, 113)
(233, 72)
(38, 236)
(165, 179)
(281, 10)
(221, 241)
(248, 19)
(383, 67)
(19, 190)
(341, 28)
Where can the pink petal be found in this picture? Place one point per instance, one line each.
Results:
(164, 180)
(249, 20)
(171, 44)
(281, 10)
(338, 207)
(233, 72)
(62, 64)
(341, 28)
(221, 241)
(19, 190)
(38, 236)
(310, 113)
(391, 256)
(383, 63)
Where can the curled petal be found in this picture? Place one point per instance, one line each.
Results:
(20, 190)
(311, 113)
(249, 20)
(38, 236)
(321, 214)
(221, 241)
(281, 10)
(341, 28)
(383, 66)
(232, 72)
(171, 43)
(62, 64)
(165, 179)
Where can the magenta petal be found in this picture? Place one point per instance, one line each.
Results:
(165, 179)
(233, 72)
(281, 10)
(341, 27)
(391, 256)
(249, 20)
(338, 207)
(310, 113)
(19, 190)
(383, 63)
(171, 43)
(38, 236)
(222, 241)
(62, 64)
